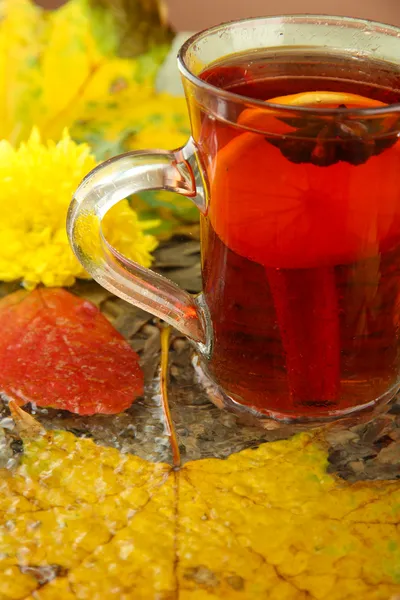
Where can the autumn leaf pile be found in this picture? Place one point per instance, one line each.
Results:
(60, 71)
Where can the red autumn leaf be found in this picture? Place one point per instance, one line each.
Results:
(58, 350)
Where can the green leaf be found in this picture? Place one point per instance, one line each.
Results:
(149, 63)
(179, 205)
(103, 28)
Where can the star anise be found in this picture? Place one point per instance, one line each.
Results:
(326, 142)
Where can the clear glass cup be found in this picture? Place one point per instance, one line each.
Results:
(300, 220)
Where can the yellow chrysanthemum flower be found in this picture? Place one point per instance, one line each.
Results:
(37, 184)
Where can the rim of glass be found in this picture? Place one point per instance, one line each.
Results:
(227, 95)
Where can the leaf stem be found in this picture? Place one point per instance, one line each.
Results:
(165, 340)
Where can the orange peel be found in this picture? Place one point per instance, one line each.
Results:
(326, 99)
(260, 118)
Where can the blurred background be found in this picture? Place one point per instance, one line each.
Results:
(192, 15)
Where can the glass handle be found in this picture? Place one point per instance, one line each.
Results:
(101, 189)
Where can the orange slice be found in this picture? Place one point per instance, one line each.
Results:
(261, 118)
(287, 215)
(326, 98)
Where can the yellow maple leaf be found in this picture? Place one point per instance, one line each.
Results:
(54, 69)
(80, 521)
(21, 39)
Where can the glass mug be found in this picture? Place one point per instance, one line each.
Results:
(294, 166)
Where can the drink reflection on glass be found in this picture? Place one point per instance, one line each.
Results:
(299, 189)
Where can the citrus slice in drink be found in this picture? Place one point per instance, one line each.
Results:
(260, 118)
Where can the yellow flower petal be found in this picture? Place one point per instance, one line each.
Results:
(37, 183)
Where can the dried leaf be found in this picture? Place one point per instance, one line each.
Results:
(266, 523)
(390, 455)
(58, 350)
(26, 425)
(180, 263)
